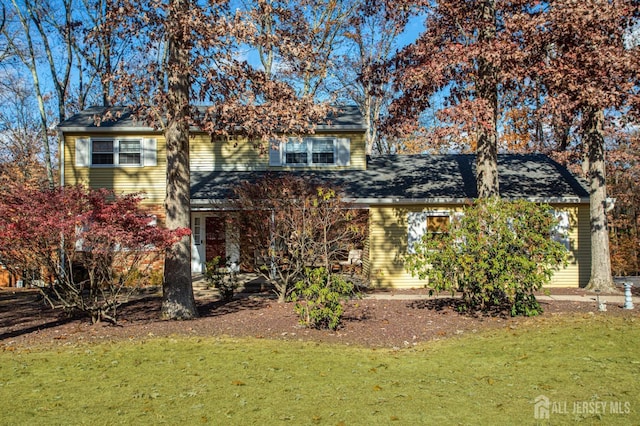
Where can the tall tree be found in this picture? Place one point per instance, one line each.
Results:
(361, 74)
(98, 50)
(281, 27)
(188, 54)
(623, 175)
(588, 67)
(465, 55)
(23, 43)
(178, 299)
(20, 137)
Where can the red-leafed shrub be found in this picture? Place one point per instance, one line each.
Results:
(89, 249)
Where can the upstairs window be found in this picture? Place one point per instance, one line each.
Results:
(323, 151)
(130, 152)
(107, 152)
(296, 152)
(102, 152)
(116, 152)
(312, 151)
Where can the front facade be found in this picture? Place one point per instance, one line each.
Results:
(405, 195)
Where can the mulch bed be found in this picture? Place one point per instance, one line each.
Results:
(395, 322)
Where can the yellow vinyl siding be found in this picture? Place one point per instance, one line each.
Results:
(358, 150)
(388, 243)
(240, 154)
(123, 180)
(218, 154)
(579, 264)
(388, 235)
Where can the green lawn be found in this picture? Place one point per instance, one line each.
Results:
(490, 378)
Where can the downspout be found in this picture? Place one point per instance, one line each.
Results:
(61, 156)
(61, 165)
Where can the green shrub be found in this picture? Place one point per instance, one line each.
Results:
(224, 277)
(498, 253)
(318, 298)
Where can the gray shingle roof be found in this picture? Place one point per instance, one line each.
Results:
(86, 120)
(420, 179)
(347, 117)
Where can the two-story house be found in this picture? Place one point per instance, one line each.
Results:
(406, 196)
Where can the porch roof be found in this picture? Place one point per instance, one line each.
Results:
(417, 179)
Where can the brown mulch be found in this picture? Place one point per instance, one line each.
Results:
(392, 322)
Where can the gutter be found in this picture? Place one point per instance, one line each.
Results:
(447, 200)
(193, 130)
(107, 129)
(202, 204)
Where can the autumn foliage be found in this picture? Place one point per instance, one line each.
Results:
(88, 249)
(290, 224)
(623, 175)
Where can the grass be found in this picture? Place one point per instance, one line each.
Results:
(486, 378)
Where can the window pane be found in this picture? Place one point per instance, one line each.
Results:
(129, 152)
(296, 157)
(322, 151)
(130, 146)
(296, 152)
(197, 231)
(322, 145)
(438, 224)
(102, 152)
(129, 158)
(102, 146)
(323, 157)
(101, 158)
(295, 146)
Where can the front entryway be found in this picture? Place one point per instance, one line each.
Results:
(212, 236)
(215, 241)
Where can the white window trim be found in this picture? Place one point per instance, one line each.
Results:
(116, 152)
(309, 150)
(84, 152)
(560, 232)
(417, 225)
(341, 153)
(197, 230)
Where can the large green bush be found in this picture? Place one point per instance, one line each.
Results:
(497, 253)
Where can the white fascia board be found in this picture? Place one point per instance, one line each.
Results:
(444, 200)
(217, 204)
(340, 127)
(111, 129)
(146, 129)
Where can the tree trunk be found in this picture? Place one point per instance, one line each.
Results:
(600, 258)
(487, 151)
(29, 59)
(178, 300)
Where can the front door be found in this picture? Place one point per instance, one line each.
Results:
(215, 239)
